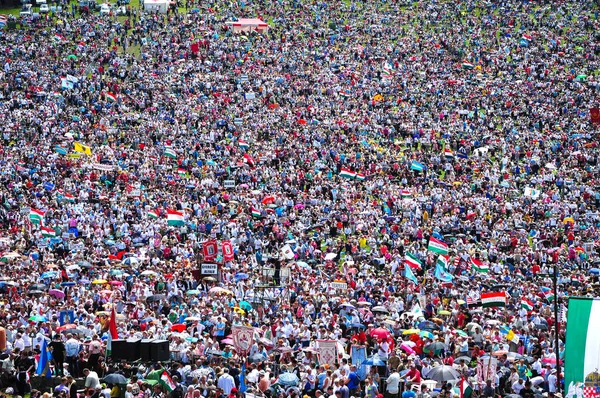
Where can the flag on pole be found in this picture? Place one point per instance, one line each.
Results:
(174, 218)
(467, 65)
(243, 144)
(526, 304)
(170, 152)
(182, 172)
(412, 261)
(443, 262)
(43, 367)
(36, 216)
(583, 340)
(441, 274)
(254, 212)
(48, 232)
(448, 153)
(465, 388)
(406, 194)
(479, 265)
(111, 97)
(493, 299)
(416, 166)
(153, 214)
(79, 147)
(243, 387)
(166, 381)
(437, 246)
(346, 173)
(113, 334)
(548, 294)
(408, 274)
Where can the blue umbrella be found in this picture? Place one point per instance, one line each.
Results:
(357, 325)
(240, 276)
(48, 275)
(288, 379)
(245, 305)
(68, 284)
(84, 281)
(373, 361)
(48, 186)
(594, 271)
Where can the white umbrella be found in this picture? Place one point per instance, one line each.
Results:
(330, 256)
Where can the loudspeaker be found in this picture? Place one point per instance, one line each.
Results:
(145, 349)
(119, 350)
(133, 349)
(159, 350)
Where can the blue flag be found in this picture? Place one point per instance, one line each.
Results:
(243, 387)
(441, 274)
(408, 274)
(43, 365)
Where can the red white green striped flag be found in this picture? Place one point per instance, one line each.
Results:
(166, 381)
(347, 173)
(437, 246)
(111, 97)
(526, 304)
(36, 216)
(493, 299)
(254, 212)
(153, 214)
(479, 265)
(406, 194)
(412, 261)
(174, 218)
(182, 172)
(48, 232)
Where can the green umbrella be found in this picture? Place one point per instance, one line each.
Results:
(245, 305)
(579, 48)
(38, 318)
(192, 292)
(581, 77)
(462, 333)
(154, 375)
(72, 56)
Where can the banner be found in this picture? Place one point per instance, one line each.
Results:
(209, 249)
(595, 115)
(486, 370)
(242, 337)
(327, 351)
(358, 356)
(227, 250)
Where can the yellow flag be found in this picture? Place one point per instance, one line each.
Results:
(78, 147)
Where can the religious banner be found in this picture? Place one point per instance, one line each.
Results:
(595, 115)
(358, 356)
(327, 351)
(242, 337)
(486, 370)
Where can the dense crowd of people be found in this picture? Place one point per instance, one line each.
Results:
(399, 181)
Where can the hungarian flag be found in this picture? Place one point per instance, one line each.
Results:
(465, 388)
(153, 214)
(437, 246)
(448, 153)
(113, 334)
(479, 265)
(467, 65)
(174, 218)
(36, 216)
(182, 172)
(48, 232)
(166, 381)
(548, 294)
(347, 173)
(412, 261)
(406, 194)
(583, 339)
(526, 304)
(169, 152)
(111, 97)
(493, 299)
(387, 71)
(443, 262)
(360, 176)
(527, 38)
(254, 212)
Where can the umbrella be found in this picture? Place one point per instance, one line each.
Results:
(426, 334)
(266, 342)
(427, 325)
(435, 347)
(192, 319)
(65, 327)
(380, 308)
(56, 293)
(155, 297)
(245, 305)
(499, 353)
(541, 326)
(115, 378)
(68, 284)
(99, 282)
(115, 283)
(443, 373)
(463, 358)
(288, 379)
(461, 333)
(364, 303)
(411, 331)
(38, 318)
(148, 272)
(35, 292)
(472, 326)
(178, 327)
(374, 361)
(406, 348)
(131, 260)
(330, 256)
(193, 292)
(72, 56)
(594, 271)
(38, 286)
(380, 333)
(257, 358)
(209, 279)
(49, 275)
(84, 264)
(444, 312)
(219, 290)
(347, 305)
(241, 276)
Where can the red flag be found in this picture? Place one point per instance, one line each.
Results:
(209, 249)
(112, 326)
(227, 250)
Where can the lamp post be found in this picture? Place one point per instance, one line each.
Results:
(556, 327)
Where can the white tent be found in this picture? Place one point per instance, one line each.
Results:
(156, 5)
(248, 24)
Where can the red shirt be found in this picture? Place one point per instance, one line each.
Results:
(414, 375)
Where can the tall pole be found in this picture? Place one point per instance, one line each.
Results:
(556, 327)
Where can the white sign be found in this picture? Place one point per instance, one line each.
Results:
(209, 269)
(229, 183)
(339, 285)
(250, 95)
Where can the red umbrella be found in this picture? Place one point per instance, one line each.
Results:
(380, 333)
(65, 327)
(268, 200)
(178, 327)
(301, 121)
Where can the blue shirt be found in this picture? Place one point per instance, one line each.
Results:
(409, 394)
(353, 381)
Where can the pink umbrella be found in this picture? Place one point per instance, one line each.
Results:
(227, 341)
(380, 333)
(407, 349)
(116, 283)
(56, 293)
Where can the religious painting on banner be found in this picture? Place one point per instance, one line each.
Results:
(486, 370)
(358, 356)
(242, 337)
(595, 115)
(327, 351)
(209, 249)
(227, 250)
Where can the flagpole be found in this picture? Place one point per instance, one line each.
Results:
(556, 327)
